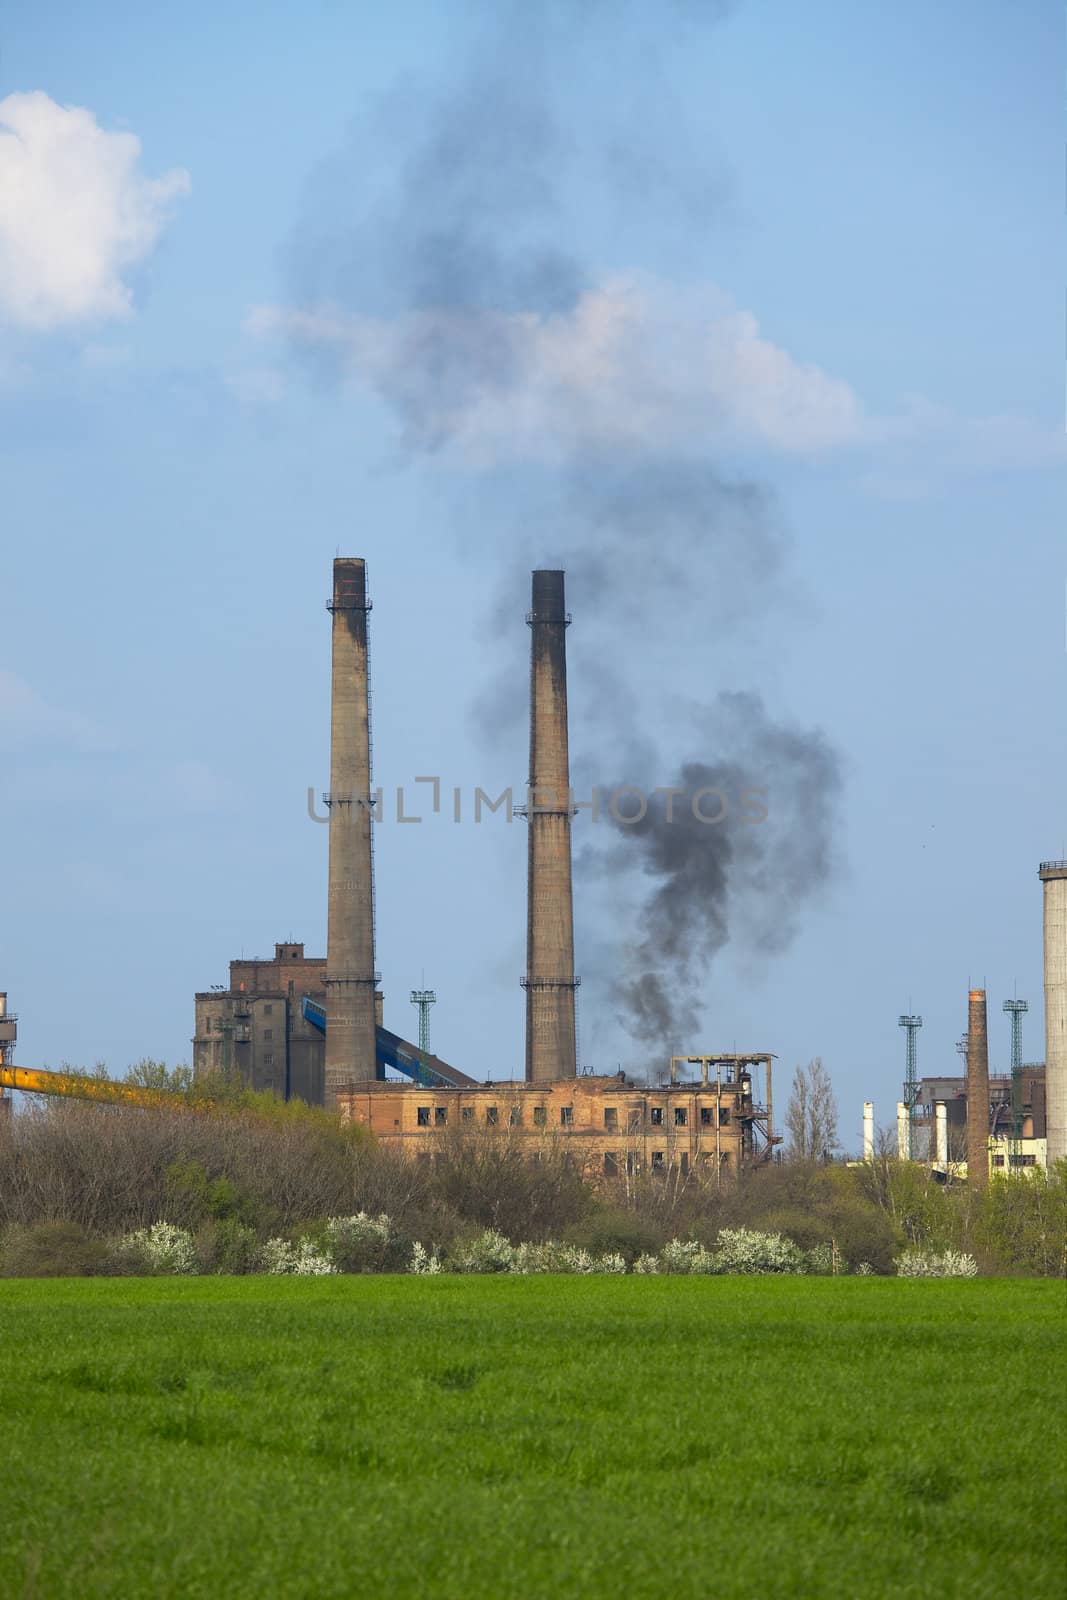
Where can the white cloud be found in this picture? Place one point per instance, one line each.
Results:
(635, 364)
(75, 212)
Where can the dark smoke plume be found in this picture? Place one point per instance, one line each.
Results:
(733, 852)
(478, 226)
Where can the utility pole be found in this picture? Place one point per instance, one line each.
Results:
(1016, 1010)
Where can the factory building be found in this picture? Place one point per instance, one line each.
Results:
(311, 1027)
(8, 1035)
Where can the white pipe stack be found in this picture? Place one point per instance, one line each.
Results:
(868, 1130)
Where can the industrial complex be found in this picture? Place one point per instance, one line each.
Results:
(312, 1027)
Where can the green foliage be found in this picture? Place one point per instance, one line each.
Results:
(479, 1437)
(1022, 1226)
(606, 1230)
(227, 1246)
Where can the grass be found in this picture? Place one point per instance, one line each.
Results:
(499, 1437)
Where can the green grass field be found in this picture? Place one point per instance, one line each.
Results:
(230, 1437)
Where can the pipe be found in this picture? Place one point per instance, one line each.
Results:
(550, 983)
(868, 1130)
(350, 975)
(941, 1127)
(1054, 877)
(977, 1091)
(903, 1132)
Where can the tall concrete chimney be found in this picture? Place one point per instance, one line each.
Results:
(977, 1092)
(1054, 876)
(903, 1132)
(549, 982)
(941, 1130)
(350, 975)
(868, 1130)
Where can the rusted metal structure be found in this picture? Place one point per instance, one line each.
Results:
(734, 1075)
(8, 1034)
(350, 976)
(550, 983)
(977, 1091)
(1053, 875)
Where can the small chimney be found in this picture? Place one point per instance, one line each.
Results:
(977, 1091)
(350, 975)
(868, 1130)
(1054, 877)
(941, 1127)
(903, 1132)
(549, 982)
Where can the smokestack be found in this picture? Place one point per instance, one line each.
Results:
(868, 1130)
(350, 975)
(903, 1132)
(1054, 876)
(549, 982)
(941, 1130)
(977, 1092)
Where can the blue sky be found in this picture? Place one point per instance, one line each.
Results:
(816, 250)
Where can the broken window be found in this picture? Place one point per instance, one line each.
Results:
(611, 1164)
(611, 1117)
(440, 1116)
(680, 1116)
(656, 1116)
(566, 1116)
(540, 1116)
(466, 1114)
(685, 1162)
(705, 1117)
(490, 1116)
(631, 1163)
(633, 1121)
(724, 1116)
(516, 1117)
(422, 1116)
(657, 1161)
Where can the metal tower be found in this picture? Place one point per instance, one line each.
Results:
(911, 1080)
(1016, 1009)
(424, 999)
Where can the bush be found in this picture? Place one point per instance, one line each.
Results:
(685, 1256)
(609, 1231)
(302, 1260)
(365, 1244)
(53, 1250)
(423, 1261)
(743, 1250)
(162, 1250)
(936, 1264)
(227, 1247)
(489, 1252)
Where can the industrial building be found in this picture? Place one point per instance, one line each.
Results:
(312, 1026)
(8, 1034)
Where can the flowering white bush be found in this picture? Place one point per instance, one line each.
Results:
(646, 1264)
(936, 1264)
(612, 1262)
(164, 1248)
(422, 1261)
(363, 1243)
(865, 1270)
(303, 1260)
(821, 1260)
(685, 1255)
(744, 1250)
(490, 1252)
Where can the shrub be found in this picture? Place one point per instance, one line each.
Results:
(365, 1244)
(302, 1260)
(489, 1252)
(743, 1250)
(936, 1264)
(423, 1261)
(821, 1260)
(162, 1250)
(646, 1264)
(52, 1250)
(610, 1231)
(685, 1255)
(227, 1247)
